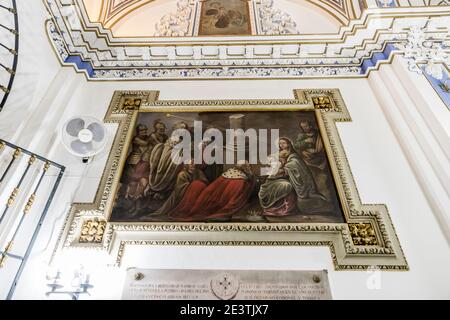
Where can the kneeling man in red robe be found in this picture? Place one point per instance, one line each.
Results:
(224, 197)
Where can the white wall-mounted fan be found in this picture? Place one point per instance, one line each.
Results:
(84, 136)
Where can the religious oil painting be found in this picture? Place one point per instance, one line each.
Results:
(225, 17)
(161, 182)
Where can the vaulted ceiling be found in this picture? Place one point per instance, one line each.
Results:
(127, 18)
(178, 39)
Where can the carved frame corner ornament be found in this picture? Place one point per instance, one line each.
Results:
(367, 239)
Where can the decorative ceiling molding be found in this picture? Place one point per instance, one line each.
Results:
(183, 21)
(71, 17)
(273, 21)
(178, 23)
(114, 10)
(341, 10)
(418, 51)
(357, 49)
(425, 3)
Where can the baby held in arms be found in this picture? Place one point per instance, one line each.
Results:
(277, 165)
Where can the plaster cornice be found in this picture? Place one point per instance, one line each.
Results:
(353, 52)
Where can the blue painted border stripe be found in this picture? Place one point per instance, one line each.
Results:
(377, 57)
(365, 65)
(81, 64)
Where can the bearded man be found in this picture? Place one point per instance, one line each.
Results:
(163, 169)
(159, 133)
(191, 181)
(310, 146)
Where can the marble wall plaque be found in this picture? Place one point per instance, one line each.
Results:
(153, 284)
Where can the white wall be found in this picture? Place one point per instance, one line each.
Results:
(37, 66)
(45, 95)
(381, 172)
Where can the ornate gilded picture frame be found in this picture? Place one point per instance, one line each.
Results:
(364, 238)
